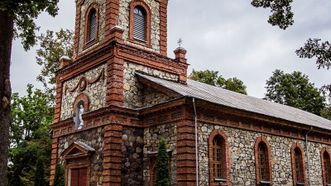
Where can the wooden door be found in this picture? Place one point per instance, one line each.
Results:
(78, 177)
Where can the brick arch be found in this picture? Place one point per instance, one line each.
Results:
(303, 167)
(324, 173)
(92, 6)
(142, 4)
(81, 97)
(262, 140)
(225, 165)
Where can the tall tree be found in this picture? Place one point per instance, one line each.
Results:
(294, 90)
(162, 165)
(16, 19)
(29, 136)
(212, 78)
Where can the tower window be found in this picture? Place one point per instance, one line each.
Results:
(139, 24)
(262, 161)
(218, 158)
(92, 25)
(298, 169)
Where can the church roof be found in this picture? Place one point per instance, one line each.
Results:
(235, 100)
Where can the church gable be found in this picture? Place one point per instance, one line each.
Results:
(77, 150)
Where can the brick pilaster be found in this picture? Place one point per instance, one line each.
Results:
(115, 82)
(112, 159)
(163, 26)
(53, 160)
(77, 29)
(112, 14)
(185, 153)
(58, 100)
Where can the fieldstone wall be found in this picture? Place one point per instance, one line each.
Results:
(96, 92)
(101, 23)
(132, 163)
(124, 20)
(93, 138)
(242, 158)
(133, 90)
(152, 137)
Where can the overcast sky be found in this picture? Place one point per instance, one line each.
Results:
(229, 36)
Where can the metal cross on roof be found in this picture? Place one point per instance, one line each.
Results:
(180, 42)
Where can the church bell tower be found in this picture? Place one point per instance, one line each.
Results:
(98, 133)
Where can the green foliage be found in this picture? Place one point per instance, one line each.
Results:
(40, 174)
(212, 78)
(326, 112)
(294, 90)
(53, 45)
(162, 166)
(24, 14)
(281, 13)
(59, 179)
(29, 136)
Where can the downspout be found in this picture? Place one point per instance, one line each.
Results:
(196, 143)
(307, 151)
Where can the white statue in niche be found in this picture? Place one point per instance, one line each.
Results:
(78, 116)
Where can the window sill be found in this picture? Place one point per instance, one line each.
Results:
(90, 43)
(144, 43)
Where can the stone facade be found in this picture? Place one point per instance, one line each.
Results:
(93, 138)
(132, 164)
(96, 91)
(124, 21)
(242, 158)
(152, 137)
(101, 4)
(133, 89)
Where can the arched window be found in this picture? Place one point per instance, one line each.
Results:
(139, 23)
(218, 159)
(262, 162)
(326, 169)
(92, 25)
(298, 170)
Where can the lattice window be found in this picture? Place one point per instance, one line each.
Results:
(139, 24)
(92, 25)
(218, 158)
(299, 166)
(263, 162)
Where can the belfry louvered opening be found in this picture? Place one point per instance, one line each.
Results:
(92, 25)
(139, 24)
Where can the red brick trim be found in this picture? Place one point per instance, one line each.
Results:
(77, 28)
(225, 164)
(54, 152)
(88, 43)
(112, 14)
(264, 141)
(294, 175)
(112, 155)
(58, 100)
(163, 26)
(81, 97)
(324, 173)
(142, 4)
(115, 82)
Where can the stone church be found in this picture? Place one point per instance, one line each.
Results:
(121, 93)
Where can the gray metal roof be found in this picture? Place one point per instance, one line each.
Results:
(243, 102)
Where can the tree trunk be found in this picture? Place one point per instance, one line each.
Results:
(6, 37)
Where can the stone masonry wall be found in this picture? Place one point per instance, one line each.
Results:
(96, 92)
(152, 137)
(133, 90)
(93, 138)
(242, 159)
(101, 23)
(132, 163)
(124, 20)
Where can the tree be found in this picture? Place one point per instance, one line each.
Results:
(16, 19)
(53, 45)
(282, 16)
(29, 135)
(40, 174)
(162, 165)
(212, 78)
(294, 90)
(59, 175)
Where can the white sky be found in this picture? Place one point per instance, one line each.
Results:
(229, 36)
